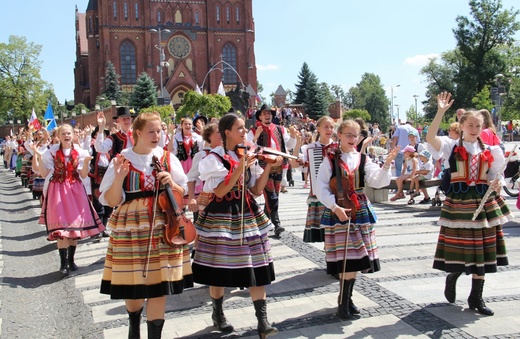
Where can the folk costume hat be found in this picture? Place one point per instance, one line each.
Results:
(199, 117)
(123, 111)
(265, 108)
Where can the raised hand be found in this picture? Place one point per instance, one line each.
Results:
(101, 120)
(444, 102)
(121, 166)
(391, 156)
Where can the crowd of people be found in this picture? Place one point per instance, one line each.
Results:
(134, 185)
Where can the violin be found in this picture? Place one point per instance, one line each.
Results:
(178, 229)
(339, 185)
(254, 153)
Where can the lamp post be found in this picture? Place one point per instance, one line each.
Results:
(498, 78)
(398, 117)
(161, 59)
(392, 102)
(416, 112)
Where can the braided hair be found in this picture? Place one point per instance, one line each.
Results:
(226, 124)
(467, 114)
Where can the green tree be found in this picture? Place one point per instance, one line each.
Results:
(315, 102)
(112, 87)
(210, 105)
(370, 95)
(301, 87)
(21, 87)
(328, 95)
(357, 113)
(166, 112)
(483, 99)
(144, 94)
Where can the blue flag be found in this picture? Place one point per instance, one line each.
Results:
(50, 121)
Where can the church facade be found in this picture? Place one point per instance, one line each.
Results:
(204, 43)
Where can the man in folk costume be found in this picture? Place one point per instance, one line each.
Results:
(267, 134)
(115, 143)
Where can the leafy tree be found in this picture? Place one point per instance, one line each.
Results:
(21, 87)
(144, 94)
(301, 87)
(210, 105)
(483, 99)
(370, 95)
(112, 87)
(315, 102)
(166, 112)
(357, 113)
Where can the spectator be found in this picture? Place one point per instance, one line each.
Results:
(412, 165)
(424, 173)
(400, 139)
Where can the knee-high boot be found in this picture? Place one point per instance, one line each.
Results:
(353, 308)
(218, 317)
(155, 328)
(475, 300)
(344, 308)
(72, 264)
(450, 288)
(134, 331)
(64, 267)
(264, 328)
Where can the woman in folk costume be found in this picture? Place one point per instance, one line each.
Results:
(233, 248)
(186, 144)
(325, 127)
(360, 242)
(66, 210)
(131, 184)
(466, 246)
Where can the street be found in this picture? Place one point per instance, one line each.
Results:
(405, 299)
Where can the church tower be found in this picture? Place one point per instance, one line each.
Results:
(203, 42)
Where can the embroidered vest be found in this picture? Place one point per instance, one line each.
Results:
(118, 143)
(138, 185)
(234, 193)
(357, 178)
(263, 141)
(460, 169)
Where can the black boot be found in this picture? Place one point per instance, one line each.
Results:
(71, 252)
(264, 328)
(450, 288)
(134, 331)
(155, 328)
(353, 308)
(218, 317)
(64, 267)
(344, 312)
(275, 219)
(475, 300)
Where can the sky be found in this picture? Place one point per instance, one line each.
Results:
(339, 39)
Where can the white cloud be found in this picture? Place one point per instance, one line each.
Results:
(269, 67)
(420, 59)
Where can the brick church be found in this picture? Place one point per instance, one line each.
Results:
(204, 42)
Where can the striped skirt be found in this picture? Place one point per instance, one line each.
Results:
(313, 231)
(221, 257)
(473, 247)
(362, 253)
(169, 270)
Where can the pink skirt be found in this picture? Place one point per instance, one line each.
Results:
(68, 213)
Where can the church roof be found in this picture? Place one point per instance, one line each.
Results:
(82, 33)
(92, 5)
(280, 91)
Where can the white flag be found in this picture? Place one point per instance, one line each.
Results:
(197, 89)
(221, 90)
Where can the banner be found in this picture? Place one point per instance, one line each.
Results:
(34, 123)
(50, 121)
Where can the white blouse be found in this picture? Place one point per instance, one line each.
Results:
(194, 137)
(194, 172)
(374, 176)
(213, 172)
(142, 162)
(48, 160)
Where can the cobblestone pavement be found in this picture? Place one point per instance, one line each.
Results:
(405, 299)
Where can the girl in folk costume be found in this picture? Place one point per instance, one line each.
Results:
(131, 184)
(66, 211)
(233, 248)
(186, 144)
(325, 127)
(465, 246)
(361, 255)
(197, 202)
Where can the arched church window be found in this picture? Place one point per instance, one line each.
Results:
(229, 55)
(136, 11)
(115, 10)
(218, 14)
(238, 15)
(227, 14)
(127, 62)
(125, 9)
(196, 18)
(158, 16)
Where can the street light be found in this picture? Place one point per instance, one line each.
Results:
(392, 102)
(161, 59)
(416, 113)
(398, 117)
(498, 78)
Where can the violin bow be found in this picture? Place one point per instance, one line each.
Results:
(243, 200)
(150, 233)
